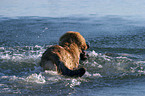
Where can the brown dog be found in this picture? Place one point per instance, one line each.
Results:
(65, 56)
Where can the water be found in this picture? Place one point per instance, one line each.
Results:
(115, 31)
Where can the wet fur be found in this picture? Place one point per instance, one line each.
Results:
(65, 57)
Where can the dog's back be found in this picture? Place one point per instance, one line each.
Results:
(59, 58)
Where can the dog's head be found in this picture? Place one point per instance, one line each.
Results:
(73, 37)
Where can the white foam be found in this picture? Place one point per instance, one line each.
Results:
(92, 53)
(98, 63)
(75, 82)
(21, 54)
(141, 62)
(100, 66)
(87, 74)
(7, 56)
(106, 58)
(12, 78)
(97, 75)
(2, 48)
(36, 78)
(51, 72)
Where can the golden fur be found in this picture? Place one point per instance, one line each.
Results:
(66, 55)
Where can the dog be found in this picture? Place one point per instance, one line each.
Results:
(65, 57)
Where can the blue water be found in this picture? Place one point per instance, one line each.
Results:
(114, 29)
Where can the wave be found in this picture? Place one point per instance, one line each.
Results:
(114, 64)
(21, 64)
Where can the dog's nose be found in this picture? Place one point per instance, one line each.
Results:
(88, 45)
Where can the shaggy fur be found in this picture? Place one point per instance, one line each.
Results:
(65, 56)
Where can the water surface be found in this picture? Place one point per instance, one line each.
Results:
(115, 31)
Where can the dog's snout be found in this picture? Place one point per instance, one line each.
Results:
(88, 45)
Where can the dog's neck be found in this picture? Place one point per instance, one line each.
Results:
(73, 49)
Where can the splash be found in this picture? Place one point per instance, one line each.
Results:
(36, 78)
(21, 54)
(22, 63)
(75, 82)
(102, 65)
